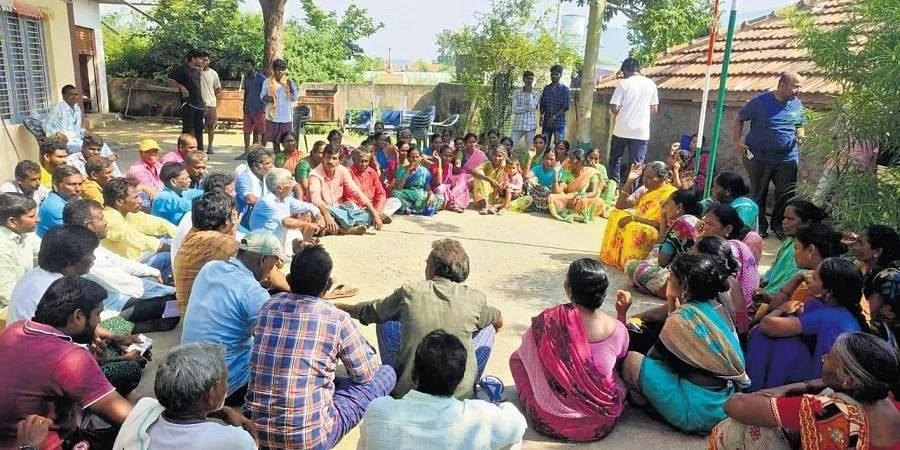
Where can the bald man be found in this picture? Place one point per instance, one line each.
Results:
(771, 150)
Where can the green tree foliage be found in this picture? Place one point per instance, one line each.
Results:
(863, 55)
(655, 25)
(323, 47)
(495, 51)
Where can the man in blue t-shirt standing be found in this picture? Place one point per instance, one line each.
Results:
(771, 148)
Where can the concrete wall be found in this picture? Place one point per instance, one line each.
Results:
(18, 144)
(87, 15)
(448, 98)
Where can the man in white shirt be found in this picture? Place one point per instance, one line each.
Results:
(91, 145)
(525, 105)
(190, 385)
(283, 215)
(64, 121)
(210, 87)
(634, 99)
(27, 182)
(430, 417)
(133, 288)
(18, 220)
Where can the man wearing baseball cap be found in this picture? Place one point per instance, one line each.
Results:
(226, 300)
(146, 169)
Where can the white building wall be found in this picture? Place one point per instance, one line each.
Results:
(87, 14)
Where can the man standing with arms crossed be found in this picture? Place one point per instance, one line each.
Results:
(525, 105)
(554, 106)
(771, 150)
(634, 99)
(186, 78)
(210, 87)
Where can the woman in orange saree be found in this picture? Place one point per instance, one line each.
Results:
(633, 226)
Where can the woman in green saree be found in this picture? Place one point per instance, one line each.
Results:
(412, 186)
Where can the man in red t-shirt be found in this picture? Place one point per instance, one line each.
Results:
(367, 179)
(48, 371)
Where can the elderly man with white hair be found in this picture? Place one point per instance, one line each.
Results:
(190, 389)
(282, 214)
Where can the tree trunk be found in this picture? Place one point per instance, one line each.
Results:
(588, 72)
(273, 29)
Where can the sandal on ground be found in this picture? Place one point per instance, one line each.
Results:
(341, 291)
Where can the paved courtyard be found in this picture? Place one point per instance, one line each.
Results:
(518, 260)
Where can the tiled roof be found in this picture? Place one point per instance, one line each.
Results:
(762, 49)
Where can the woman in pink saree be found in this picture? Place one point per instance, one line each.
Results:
(469, 158)
(566, 368)
(454, 188)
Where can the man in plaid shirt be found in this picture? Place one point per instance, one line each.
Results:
(554, 106)
(525, 105)
(293, 397)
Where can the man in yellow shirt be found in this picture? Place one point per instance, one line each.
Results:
(99, 170)
(133, 234)
(53, 154)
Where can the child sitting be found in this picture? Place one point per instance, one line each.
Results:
(511, 190)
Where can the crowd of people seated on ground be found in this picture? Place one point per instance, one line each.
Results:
(803, 352)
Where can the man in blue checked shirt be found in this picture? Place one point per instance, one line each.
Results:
(554, 106)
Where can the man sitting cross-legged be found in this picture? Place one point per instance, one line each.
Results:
(334, 192)
(225, 301)
(175, 200)
(67, 183)
(99, 171)
(132, 233)
(190, 387)
(212, 238)
(428, 417)
(441, 301)
(283, 215)
(366, 177)
(48, 369)
(134, 290)
(294, 397)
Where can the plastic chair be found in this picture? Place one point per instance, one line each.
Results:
(302, 114)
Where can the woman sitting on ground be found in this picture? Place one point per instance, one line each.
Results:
(290, 155)
(608, 193)
(453, 187)
(539, 180)
(578, 200)
(850, 407)
(470, 157)
(729, 188)
(697, 364)
(631, 233)
(723, 221)
(678, 231)
(877, 247)
(565, 369)
(489, 177)
(812, 245)
(789, 342)
(797, 214)
(306, 165)
(562, 153)
(883, 294)
(413, 186)
(394, 159)
(644, 328)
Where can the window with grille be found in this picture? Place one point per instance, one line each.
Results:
(24, 81)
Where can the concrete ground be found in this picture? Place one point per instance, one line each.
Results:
(518, 260)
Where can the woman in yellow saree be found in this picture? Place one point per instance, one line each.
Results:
(631, 233)
(579, 200)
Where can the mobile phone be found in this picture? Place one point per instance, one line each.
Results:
(142, 346)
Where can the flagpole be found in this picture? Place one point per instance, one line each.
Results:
(720, 102)
(713, 31)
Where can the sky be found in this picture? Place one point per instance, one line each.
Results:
(410, 26)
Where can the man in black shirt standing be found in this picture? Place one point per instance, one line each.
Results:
(186, 79)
